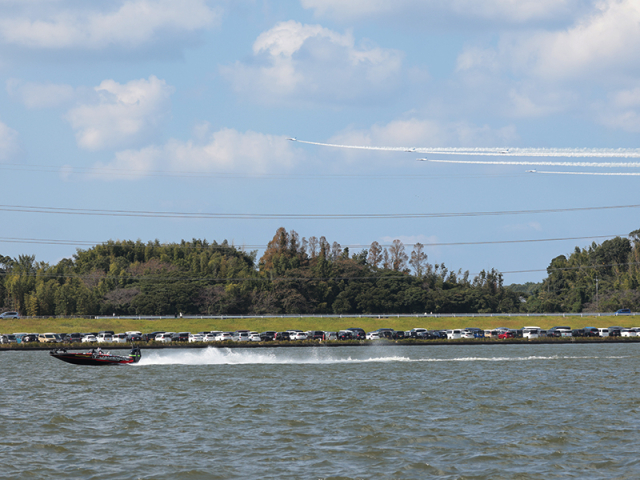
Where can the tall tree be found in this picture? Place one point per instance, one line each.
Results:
(398, 256)
(375, 255)
(418, 259)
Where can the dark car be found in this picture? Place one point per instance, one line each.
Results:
(134, 337)
(346, 335)
(359, 334)
(615, 331)
(268, 336)
(385, 332)
(578, 332)
(74, 338)
(283, 336)
(316, 335)
(590, 332)
(180, 337)
(398, 335)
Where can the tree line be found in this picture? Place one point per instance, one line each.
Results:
(305, 276)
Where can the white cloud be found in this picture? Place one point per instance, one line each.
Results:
(516, 11)
(226, 150)
(40, 95)
(589, 68)
(65, 24)
(9, 145)
(122, 115)
(310, 63)
(603, 44)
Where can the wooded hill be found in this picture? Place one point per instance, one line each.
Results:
(298, 275)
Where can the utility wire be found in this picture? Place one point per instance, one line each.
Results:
(289, 216)
(44, 241)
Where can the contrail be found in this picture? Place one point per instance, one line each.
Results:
(619, 174)
(510, 152)
(538, 163)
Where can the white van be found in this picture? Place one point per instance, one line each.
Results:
(104, 337)
(604, 332)
(531, 332)
(454, 334)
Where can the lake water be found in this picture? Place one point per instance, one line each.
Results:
(450, 412)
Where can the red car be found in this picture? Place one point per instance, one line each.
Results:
(507, 334)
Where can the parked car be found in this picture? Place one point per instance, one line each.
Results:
(623, 311)
(531, 332)
(47, 338)
(268, 336)
(165, 337)
(477, 332)
(195, 337)
(590, 332)
(359, 334)
(255, 337)
(299, 336)
(89, 339)
(134, 337)
(283, 336)
(151, 337)
(209, 337)
(120, 338)
(454, 334)
(626, 332)
(74, 338)
(315, 335)
(507, 334)
(398, 335)
(9, 315)
(560, 331)
(223, 336)
(614, 331)
(604, 332)
(373, 336)
(329, 336)
(241, 336)
(9, 338)
(104, 337)
(346, 335)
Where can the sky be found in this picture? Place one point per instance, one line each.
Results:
(115, 107)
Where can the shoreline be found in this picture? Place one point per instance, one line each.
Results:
(365, 343)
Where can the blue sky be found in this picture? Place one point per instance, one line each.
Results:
(186, 107)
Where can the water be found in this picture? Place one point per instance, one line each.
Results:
(450, 412)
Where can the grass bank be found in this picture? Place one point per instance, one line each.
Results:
(69, 325)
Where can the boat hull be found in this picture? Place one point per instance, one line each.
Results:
(96, 358)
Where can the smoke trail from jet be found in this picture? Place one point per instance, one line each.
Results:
(611, 174)
(494, 152)
(538, 163)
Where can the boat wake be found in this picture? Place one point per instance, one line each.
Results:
(220, 356)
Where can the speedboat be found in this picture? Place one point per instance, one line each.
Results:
(96, 356)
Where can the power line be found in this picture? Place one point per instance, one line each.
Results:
(44, 241)
(289, 216)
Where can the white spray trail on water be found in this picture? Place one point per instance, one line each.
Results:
(215, 356)
(510, 152)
